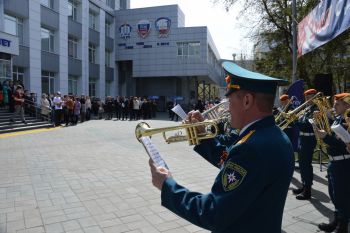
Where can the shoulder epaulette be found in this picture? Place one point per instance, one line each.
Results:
(246, 137)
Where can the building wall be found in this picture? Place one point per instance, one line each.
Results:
(34, 60)
(154, 56)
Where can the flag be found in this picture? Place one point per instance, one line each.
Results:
(296, 91)
(325, 22)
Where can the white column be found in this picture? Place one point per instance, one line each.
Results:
(34, 47)
(85, 47)
(63, 47)
(102, 56)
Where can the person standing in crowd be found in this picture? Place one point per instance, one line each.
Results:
(18, 98)
(10, 92)
(88, 108)
(118, 107)
(338, 169)
(58, 103)
(200, 106)
(125, 107)
(77, 107)
(83, 108)
(45, 107)
(247, 195)
(70, 110)
(306, 149)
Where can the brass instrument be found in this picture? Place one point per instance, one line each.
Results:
(321, 117)
(220, 110)
(299, 111)
(281, 113)
(192, 135)
(347, 118)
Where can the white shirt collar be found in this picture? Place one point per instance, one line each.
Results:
(246, 127)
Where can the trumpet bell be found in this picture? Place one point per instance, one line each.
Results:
(140, 130)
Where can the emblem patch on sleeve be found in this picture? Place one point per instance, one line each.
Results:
(232, 176)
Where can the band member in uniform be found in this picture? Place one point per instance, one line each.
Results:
(338, 170)
(250, 190)
(286, 106)
(306, 149)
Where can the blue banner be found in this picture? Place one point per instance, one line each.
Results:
(296, 92)
(325, 22)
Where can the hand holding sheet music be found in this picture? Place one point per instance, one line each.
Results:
(153, 152)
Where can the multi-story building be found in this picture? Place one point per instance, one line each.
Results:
(102, 47)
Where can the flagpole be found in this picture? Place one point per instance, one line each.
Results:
(294, 28)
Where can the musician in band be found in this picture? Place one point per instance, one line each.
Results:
(306, 149)
(338, 169)
(249, 192)
(287, 106)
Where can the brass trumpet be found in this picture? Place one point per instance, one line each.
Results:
(291, 116)
(192, 135)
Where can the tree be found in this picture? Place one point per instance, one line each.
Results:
(272, 25)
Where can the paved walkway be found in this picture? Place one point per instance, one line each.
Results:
(94, 177)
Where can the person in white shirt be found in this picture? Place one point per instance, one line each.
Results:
(58, 102)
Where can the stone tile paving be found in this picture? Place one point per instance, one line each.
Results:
(94, 178)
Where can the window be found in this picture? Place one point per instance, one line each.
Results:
(73, 10)
(47, 3)
(47, 82)
(123, 5)
(18, 74)
(108, 58)
(92, 20)
(92, 53)
(110, 3)
(47, 40)
(188, 49)
(108, 29)
(108, 89)
(72, 47)
(14, 26)
(5, 70)
(72, 85)
(92, 88)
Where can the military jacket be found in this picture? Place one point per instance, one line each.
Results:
(303, 122)
(213, 149)
(336, 145)
(249, 192)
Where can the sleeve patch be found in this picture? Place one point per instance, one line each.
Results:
(232, 176)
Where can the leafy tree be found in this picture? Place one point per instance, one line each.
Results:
(271, 22)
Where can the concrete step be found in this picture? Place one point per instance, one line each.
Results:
(25, 128)
(19, 124)
(7, 122)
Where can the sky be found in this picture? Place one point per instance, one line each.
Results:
(225, 28)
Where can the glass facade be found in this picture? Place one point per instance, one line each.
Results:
(73, 10)
(5, 69)
(92, 88)
(92, 21)
(47, 82)
(14, 26)
(47, 3)
(47, 40)
(92, 53)
(72, 85)
(72, 47)
(188, 49)
(18, 74)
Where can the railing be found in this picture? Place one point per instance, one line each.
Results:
(33, 109)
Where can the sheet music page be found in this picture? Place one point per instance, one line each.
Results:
(153, 152)
(342, 133)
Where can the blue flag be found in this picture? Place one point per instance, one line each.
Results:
(296, 91)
